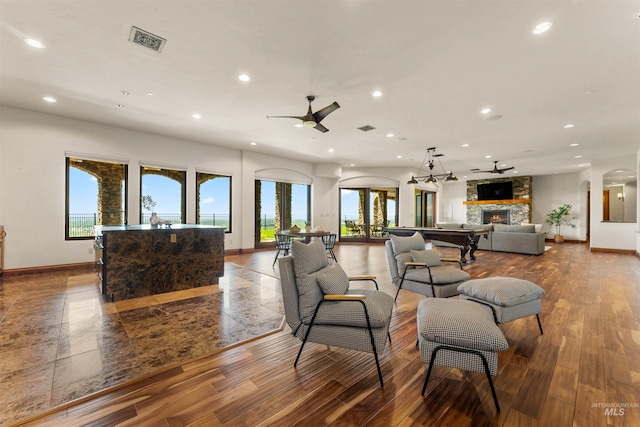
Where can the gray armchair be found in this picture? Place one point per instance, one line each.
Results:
(416, 269)
(319, 306)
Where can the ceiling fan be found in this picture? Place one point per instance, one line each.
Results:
(495, 170)
(311, 119)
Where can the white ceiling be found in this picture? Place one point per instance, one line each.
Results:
(436, 62)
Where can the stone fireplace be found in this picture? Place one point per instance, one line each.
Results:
(518, 208)
(496, 216)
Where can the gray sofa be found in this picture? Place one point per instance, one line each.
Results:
(520, 239)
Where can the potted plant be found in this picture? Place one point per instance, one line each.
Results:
(559, 217)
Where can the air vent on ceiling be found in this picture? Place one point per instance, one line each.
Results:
(146, 39)
(366, 128)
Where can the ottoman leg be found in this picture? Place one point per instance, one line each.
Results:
(539, 324)
(463, 350)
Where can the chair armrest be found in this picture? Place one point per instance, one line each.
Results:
(414, 263)
(362, 278)
(371, 278)
(339, 297)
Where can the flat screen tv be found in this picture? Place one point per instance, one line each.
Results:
(495, 191)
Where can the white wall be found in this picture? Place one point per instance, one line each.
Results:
(32, 174)
(451, 207)
(551, 192)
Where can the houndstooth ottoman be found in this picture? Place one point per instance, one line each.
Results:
(507, 297)
(459, 334)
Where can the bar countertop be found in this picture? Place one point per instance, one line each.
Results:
(101, 228)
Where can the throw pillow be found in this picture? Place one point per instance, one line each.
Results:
(308, 257)
(405, 244)
(334, 281)
(428, 256)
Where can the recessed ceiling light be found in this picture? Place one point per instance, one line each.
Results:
(487, 157)
(465, 145)
(125, 93)
(196, 116)
(515, 171)
(376, 94)
(542, 27)
(503, 165)
(630, 176)
(619, 171)
(575, 144)
(149, 93)
(398, 157)
(577, 157)
(352, 164)
(390, 135)
(253, 143)
(485, 110)
(569, 126)
(34, 43)
(244, 77)
(49, 99)
(330, 150)
(298, 125)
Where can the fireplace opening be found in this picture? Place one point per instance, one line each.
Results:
(496, 217)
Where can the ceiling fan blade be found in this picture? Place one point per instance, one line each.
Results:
(479, 171)
(286, 117)
(321, 114)
(321, 128)
(508, 169)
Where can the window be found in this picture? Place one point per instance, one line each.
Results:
(162, 191)
(365, 212)
(425, 208)
(280, 206)
(96, 194)
(213, 193)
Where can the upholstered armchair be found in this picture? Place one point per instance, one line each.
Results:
(421, 270)
(321, 308)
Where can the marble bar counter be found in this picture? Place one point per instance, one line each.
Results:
(140, 260)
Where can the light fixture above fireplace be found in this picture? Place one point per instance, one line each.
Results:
(429, 160)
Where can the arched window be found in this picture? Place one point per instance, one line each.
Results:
(162, 191)
(95, 195)
(213, 195)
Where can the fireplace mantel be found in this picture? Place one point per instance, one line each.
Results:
(497, 202)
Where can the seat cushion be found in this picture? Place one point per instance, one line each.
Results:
(334, 280)
(308, 257)
(459, 323)
(502, 228)
(441, 275)
(351, 313)
(502, 291)
(428, 256)
(407, 243)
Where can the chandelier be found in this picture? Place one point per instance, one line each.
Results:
(429, 160)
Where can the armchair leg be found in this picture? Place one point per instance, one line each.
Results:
(463, 350)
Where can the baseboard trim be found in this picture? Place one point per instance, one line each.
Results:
(615, 251)
(89, 266)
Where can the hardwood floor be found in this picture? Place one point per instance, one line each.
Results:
(584, 370)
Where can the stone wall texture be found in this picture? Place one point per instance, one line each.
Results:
(519, 208)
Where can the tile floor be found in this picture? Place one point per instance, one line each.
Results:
(60, 341)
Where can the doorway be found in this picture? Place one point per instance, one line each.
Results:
(365, 212)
